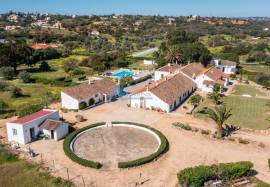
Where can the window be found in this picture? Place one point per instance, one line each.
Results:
(14, 132)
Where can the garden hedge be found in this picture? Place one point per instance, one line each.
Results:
(197, 176)
(72, 155)
(164, 145)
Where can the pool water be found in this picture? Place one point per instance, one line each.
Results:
(123, 74)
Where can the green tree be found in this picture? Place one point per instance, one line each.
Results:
(215, 96)
(44, 66)
(195, 100)
(7, 73)
(220, 115)
(25, 76)
(173, 56)
(3, 107)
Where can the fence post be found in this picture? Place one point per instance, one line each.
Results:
(54, 166)
(83, 181)
(41, 161)
(67, 174)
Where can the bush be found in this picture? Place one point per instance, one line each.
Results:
(6, 156)
(29, 110)
(82, 105)
(197, 176)
(16, 92)
(161, 150)
(44, 66)
(82, 77)
(269, 163)
(3, 85)
(243, 141)
(25, 76)
(183, 126)
(74, 157)
(205, 132)
(78, 71)
(7, 73)
(3, 107)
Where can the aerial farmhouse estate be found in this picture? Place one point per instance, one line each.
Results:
(28, 128)
(89, 94)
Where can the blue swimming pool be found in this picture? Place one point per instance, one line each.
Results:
(123, 74)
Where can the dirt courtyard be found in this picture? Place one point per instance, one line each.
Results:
(111, 145)
(186, 149)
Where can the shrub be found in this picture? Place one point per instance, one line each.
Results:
(269, 163)
(82, 77)
(231, 171)
(6, 156)
(3, 107)
(79, 118)
(243, 141)
(197, 176)
(44, 66)
(78, 71)
(16, 92)
(25, 76)
(183, 126)
(205, 132)
(3, 85)
(164, 145)
(29, 110)
(7, 73)
(74, 157)
(82, 105)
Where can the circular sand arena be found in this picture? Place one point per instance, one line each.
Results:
(110, 145)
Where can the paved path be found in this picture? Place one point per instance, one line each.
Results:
(146, 52)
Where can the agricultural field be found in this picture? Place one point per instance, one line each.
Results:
(247, 90)
(19, 173)
(249, 112)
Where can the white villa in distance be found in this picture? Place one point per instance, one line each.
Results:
(27, 129)
(91, 93)
(226, 66)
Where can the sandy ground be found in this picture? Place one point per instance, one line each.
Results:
(111, 145)
(186, 149)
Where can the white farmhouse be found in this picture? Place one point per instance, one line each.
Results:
(27, 129)
(164, 71)
(164, 95)
(89, 94)
(225, 66)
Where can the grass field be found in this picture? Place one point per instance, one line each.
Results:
(248, 112)
(19, 173)
(247, 90)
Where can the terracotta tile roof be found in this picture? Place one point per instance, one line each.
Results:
(43, 46)
(170, 68)
(170, 89)
(31, 117)
(227, 63)
(193, 69)
(50, 124)
(86, 90)
(215, 74)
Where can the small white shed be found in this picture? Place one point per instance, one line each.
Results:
(54, 129)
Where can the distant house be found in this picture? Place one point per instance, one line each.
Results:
(38, 46)
(95, 32)
(13, 18)
(89, 94)
(165, 94)
(167, 70)
(12, 27)
(148, 62)
(226, 66)
(27, 129)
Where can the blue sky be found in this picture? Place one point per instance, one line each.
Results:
(229, 8)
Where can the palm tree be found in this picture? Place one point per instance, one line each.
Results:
(173, 56)
(219, 115)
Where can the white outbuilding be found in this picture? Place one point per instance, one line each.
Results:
(29, 128)
(89, 94)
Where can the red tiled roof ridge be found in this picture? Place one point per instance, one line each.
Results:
(33, 116)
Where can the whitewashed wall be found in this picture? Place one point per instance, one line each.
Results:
(160, 74)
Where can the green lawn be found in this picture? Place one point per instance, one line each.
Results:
(19, 173)
(248, 112)
(247, 90)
